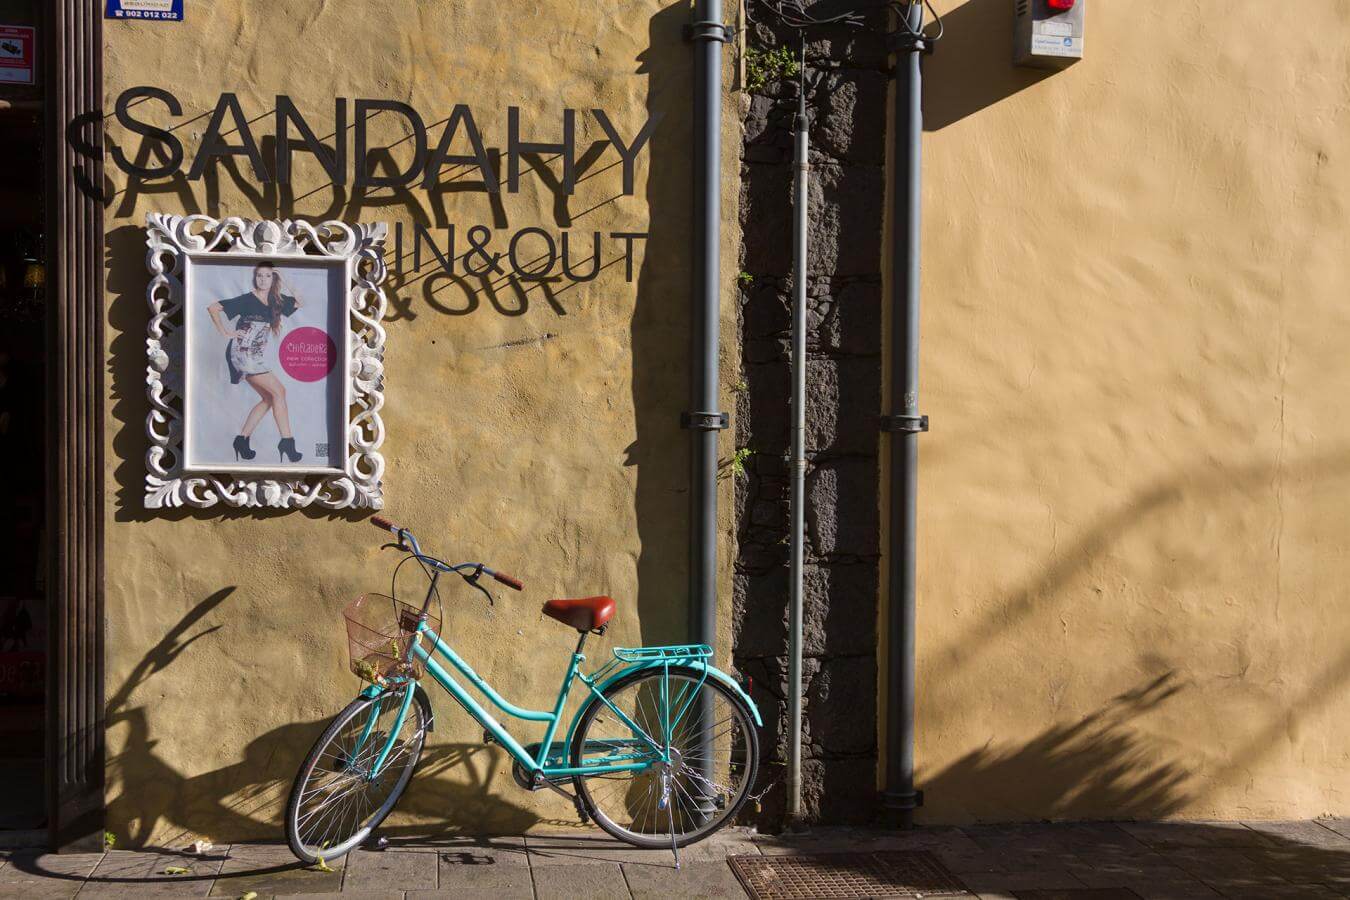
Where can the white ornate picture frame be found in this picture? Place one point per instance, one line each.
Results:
(187, 253)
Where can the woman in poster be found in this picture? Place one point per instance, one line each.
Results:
(257, 318)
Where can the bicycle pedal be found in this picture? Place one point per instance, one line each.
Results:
(581, 812)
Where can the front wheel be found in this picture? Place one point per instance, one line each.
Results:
(335, 802)
(713, 761)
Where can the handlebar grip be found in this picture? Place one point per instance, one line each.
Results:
(513, 583)
(382, 522)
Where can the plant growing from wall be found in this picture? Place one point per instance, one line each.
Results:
(730, 467)
(764, 66)
(738, 460)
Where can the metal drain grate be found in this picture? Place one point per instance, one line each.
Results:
(845, 875)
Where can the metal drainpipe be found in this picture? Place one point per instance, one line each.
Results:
(797, 464)
(707, 34)
(904, 425)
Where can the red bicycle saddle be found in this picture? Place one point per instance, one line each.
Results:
(583, 614)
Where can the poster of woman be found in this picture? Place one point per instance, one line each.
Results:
(263, 389)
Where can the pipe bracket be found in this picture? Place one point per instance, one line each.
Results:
(705, 421)
(904, 424)
(904, 42)
(709, 31)
(900, 800)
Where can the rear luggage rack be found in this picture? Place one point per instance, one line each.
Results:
(673, 653)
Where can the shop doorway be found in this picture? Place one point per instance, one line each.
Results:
(24, 419)
(23, 454)
(51, 424)
(23, 429)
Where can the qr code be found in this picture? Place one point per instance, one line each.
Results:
(320, 449)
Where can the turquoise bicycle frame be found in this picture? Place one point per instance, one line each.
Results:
(547, 758)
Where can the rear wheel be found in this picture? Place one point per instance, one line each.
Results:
(334, 803)
(714, 759)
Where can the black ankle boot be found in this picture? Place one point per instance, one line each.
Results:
(286, 447)
(242, 449)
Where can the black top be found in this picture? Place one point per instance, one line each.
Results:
(248, 308)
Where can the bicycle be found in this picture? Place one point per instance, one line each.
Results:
(662, 754)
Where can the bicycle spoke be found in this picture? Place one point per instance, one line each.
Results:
(686, 738)
(331, 785)
(677, 793)
(329, 814)
(339, 808)
(331, 800)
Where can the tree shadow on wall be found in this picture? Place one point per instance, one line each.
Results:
(1105, 767)
(244, 800)
(1026, 782)
(661, 340)
(1099, 766)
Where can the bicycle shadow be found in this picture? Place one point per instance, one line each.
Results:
(33, 864)
(167, 807)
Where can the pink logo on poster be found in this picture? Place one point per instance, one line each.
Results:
(307, 354)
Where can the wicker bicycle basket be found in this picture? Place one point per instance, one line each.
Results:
(379, 631)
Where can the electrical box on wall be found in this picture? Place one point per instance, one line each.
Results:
(1047, 34)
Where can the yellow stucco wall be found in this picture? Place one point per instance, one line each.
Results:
(1131, 530)
(545, 442)
(1134, 540)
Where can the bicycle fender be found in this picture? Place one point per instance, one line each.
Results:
(372, 691)
(714, 672)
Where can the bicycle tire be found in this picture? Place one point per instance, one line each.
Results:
(683, 838)
(363, 824)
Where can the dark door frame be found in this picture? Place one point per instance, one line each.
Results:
(73, 79)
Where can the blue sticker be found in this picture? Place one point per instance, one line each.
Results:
(163, 10)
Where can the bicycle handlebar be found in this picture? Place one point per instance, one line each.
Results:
(404, 534)
(513, 583)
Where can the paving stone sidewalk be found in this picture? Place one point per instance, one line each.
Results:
(1093, 861)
